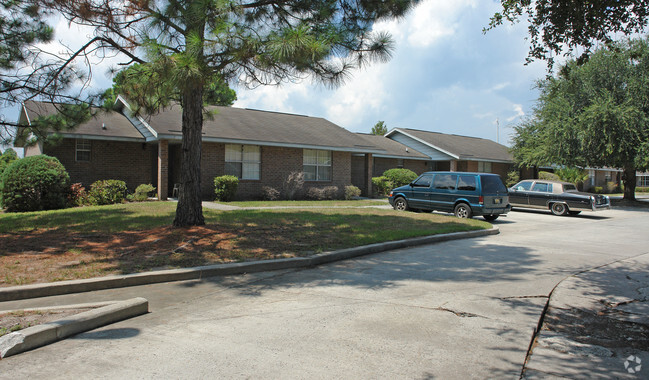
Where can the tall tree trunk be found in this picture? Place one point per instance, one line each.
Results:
(189, 211)
(629, 179)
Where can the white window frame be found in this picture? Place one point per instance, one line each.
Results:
(83, 145)
(323, 164)
(238, 156)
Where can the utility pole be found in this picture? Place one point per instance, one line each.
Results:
(497, 131)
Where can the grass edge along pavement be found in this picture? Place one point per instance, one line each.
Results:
(118, 281)
(124, 239)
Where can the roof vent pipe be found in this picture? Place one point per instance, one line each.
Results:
(103, 125)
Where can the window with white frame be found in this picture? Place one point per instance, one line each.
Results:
(83, 150)
(484, 167)
(643, 180)
(317, 165)
(243, 161)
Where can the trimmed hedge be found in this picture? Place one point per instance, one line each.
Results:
(34, 183)
(107, 192)
(225, 187)
(400, 177)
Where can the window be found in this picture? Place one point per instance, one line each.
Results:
(83, 150)
(317, 165)
(643, 180)
(466, 183)
(423, 181)
(484, 167)
(524, 186)
(542, 187)
(445, 181)
(243, 161)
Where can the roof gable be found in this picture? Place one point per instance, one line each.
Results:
(456, 146)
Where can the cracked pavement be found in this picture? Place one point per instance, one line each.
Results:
(459, 309)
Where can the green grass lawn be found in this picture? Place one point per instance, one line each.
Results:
(127, 238)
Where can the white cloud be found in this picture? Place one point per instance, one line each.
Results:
(518, 108)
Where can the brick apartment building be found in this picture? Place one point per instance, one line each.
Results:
(260, 148)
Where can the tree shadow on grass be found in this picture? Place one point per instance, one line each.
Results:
(67, 252)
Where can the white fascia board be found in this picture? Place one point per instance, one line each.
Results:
(485, 160)
(29, 122)
(270, 143)
(103, 138)
(423, 142)
(403, 157)
(136, 118)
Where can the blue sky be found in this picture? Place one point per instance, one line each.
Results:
(445, 76)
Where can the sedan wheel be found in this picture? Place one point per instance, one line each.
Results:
(400, 204)
(559, 209)
(463, 211)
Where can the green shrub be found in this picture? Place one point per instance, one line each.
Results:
(381, 185)
(547, 176)
(642, 189)
(400, 177)
(34, 183)
(225, 187)
(7, 158)
(598, 190)
(315, 193)
(331, 192)
(573, 175)
(142, 192)
(613, 188)
(352, 192)
(513, 177)
(107, 192)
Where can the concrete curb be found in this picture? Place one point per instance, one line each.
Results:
(41, 335)
(110, 282)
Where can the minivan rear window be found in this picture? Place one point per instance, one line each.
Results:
(492, 184)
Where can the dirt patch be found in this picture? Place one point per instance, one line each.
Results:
(18, 320)
(45, 255)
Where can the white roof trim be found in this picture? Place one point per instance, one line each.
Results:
(131, 115)
(395, 130)
(104, 138)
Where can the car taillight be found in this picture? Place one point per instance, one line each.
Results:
(481, 200)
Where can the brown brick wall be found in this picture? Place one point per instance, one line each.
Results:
(133, 163)
(381, 164)
(276, 165)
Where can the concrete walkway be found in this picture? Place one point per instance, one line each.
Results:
(596, 325)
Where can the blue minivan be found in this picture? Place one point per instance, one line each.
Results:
(464, 194)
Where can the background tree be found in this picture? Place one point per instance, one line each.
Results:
(564, 26)
(189, 43)
(379, 128)
(593, 114)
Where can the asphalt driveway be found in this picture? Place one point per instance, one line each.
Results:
(461, 309)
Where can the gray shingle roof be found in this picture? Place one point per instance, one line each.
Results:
(465, 147)
(392, 148)
(103, 125)
(264, 128)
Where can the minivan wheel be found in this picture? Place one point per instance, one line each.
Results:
(559, 209)
(490, 218)
(400, 204)
(463, 211)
